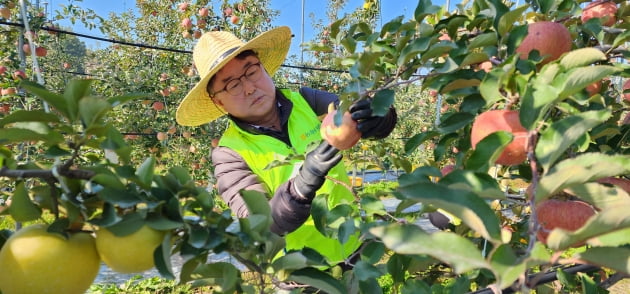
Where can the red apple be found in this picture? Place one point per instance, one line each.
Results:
(565, 214)
(41, 51)
(502, 120)
(19, 74)
(234, 19)
(203, 12)
(186, 23)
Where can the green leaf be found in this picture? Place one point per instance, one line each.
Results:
(162, 257)
(505, 266)
(413, 49)
(601, 196)
(578, 78)
(317, 279)
(466, 205)
(22, 208)
(107, 217)
(580, 169)
(508, 19)
(455, 122)
(120, 197)
(382, 101)
(491, 88)
(425, 8)
(581, 57)
(555, 140)
(616, 258)
(488, 150)
(483, 40)
(605, 221)
(365, 271)
(537, 99)
(145, 173)
(256, 202)
(118, 100)
(75, 91)
(448, 247)
(223, 276)
(414, 142)
(55, 100)
(16, 135)
(108, 180)
(29, 116)
(92, 110)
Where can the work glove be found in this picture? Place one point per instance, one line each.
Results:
(371, 126)
(316, 166)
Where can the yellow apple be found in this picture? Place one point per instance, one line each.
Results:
(35, 261)
(132, 253)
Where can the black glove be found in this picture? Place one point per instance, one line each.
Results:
(372, 127)
(316, 166)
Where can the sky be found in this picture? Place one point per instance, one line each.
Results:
(290, 14)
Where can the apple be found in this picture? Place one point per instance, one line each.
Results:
(486, 66)
(343, 136)
(502, 120)
(203, 11)
(624, 88)
(41, 51)
(163, 77)
(605, 10)
(622, 183)
(447, 169)
(35, 261)
(215, 142)
(161, 136)
(8, 91)
(186, 23)
(565, 214)
(186, 35)
(19, 74)
(551, 39)
(234, 19)
(202, 23)
(5, 108)
(165, 92)
(3, 69)
(26, 48)
(158, 106)
(227, 11)
(593, 88)
(5, 12)
(197, 34)
(131, 253)
(186, 134)
(183, 6)
(66, 65)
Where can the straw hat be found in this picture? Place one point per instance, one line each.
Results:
(212, 52)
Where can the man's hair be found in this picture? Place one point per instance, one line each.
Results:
(240, 56)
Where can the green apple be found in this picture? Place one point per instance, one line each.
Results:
(35, 261)
(132, 253)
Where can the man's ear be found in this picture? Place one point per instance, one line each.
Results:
(217, 101)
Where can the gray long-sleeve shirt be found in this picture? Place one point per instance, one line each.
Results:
(233, 174)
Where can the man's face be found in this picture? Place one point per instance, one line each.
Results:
(244, 89)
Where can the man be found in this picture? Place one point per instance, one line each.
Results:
(267, 124)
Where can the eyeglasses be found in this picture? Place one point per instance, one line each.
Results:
(234, 87)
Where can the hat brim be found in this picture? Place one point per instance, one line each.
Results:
(197, 107)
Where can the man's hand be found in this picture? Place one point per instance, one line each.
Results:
(316, 166)
(370, 126)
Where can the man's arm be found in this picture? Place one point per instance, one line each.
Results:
(288, 209)
(318, 100)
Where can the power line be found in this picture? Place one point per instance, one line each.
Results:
(54, 29)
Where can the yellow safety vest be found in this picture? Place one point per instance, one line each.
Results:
(259, 150)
